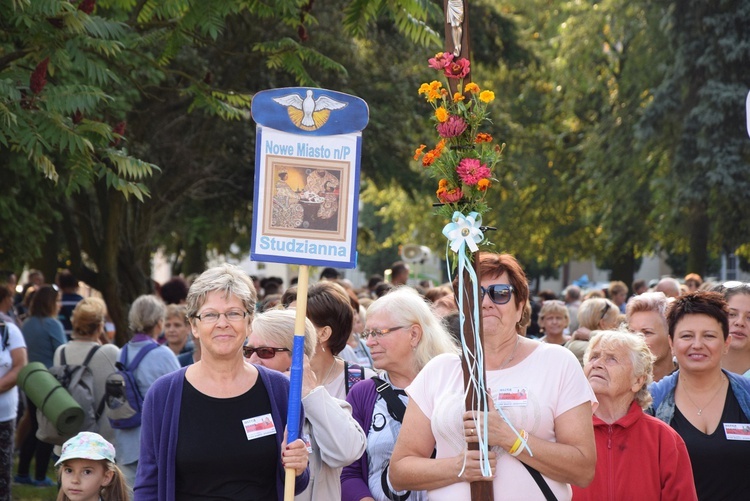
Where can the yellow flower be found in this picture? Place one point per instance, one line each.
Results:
(458, 97)
(483, 184)
(418, 151)
(424, 88)
(441, 114)
(435, 85)
(486, 96)
(433, 95)
(472, 87)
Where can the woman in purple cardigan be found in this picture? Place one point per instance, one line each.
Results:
(403, 334)
(215, 429)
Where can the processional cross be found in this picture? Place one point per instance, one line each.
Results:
(457, 43)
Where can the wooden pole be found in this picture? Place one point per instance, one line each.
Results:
(480, 491)
(457, 43)
(295, 388)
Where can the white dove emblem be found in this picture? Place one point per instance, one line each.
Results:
(309, 113)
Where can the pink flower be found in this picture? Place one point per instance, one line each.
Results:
(453, 127)
(457, 69)
(471, 171)
(441, 60)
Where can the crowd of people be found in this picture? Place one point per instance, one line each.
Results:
(640, 393)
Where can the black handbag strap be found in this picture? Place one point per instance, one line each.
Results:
(539, 479)
(395, 406)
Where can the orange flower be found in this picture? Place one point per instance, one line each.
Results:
(428, 158)
(441, 114)
(440, 146)
(418, 151)
(483, 137)
(443, 183)
(483, 184)
(458, 97)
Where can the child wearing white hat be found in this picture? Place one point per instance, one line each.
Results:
(88, 471)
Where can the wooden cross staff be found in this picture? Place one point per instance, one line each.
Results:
(457, 43)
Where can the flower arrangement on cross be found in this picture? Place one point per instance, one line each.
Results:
(464, 157)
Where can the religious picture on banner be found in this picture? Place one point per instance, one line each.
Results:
(306, 197)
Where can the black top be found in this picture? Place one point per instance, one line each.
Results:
(719, 465)
(215, 460)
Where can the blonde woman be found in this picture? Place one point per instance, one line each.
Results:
(554, 319)
(336, 439)
(594, 314)
(88, 325)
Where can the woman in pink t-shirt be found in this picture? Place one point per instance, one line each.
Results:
(540, 388)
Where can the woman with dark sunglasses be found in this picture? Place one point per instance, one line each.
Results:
(335, 438)
(205, 432)
(538, 387)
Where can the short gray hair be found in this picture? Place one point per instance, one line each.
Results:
(640, 356)
(405, 306)
(145, 313)
(277, 326)
(227, 278)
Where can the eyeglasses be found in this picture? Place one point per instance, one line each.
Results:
(264, 352)
(499, 293)
(604, 311)
(378, 333)
(212, 317)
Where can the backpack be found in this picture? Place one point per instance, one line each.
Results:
(123, 398)
(353, 374)
(78, 380)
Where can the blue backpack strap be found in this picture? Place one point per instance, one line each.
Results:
(141, 354)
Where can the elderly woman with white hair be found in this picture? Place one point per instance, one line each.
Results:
(403, 334)
(647, 314)
(336, 439)
(146, 319)
(216, 429)
(638, 456)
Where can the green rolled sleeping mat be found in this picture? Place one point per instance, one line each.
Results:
(51, 399)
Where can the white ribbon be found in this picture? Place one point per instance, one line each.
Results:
(464, 231)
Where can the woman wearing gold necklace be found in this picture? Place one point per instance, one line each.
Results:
(708, 407)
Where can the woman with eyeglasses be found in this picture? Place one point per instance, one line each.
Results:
(540, 388)
(709, 407)
(737, 296)
(594, 314)
(335, 438)
(403, 334)
(204, 431)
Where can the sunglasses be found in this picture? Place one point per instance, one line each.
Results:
(604, 311)
(499, 293)
(264, 352)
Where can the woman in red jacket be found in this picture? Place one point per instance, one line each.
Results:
(638, 456)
